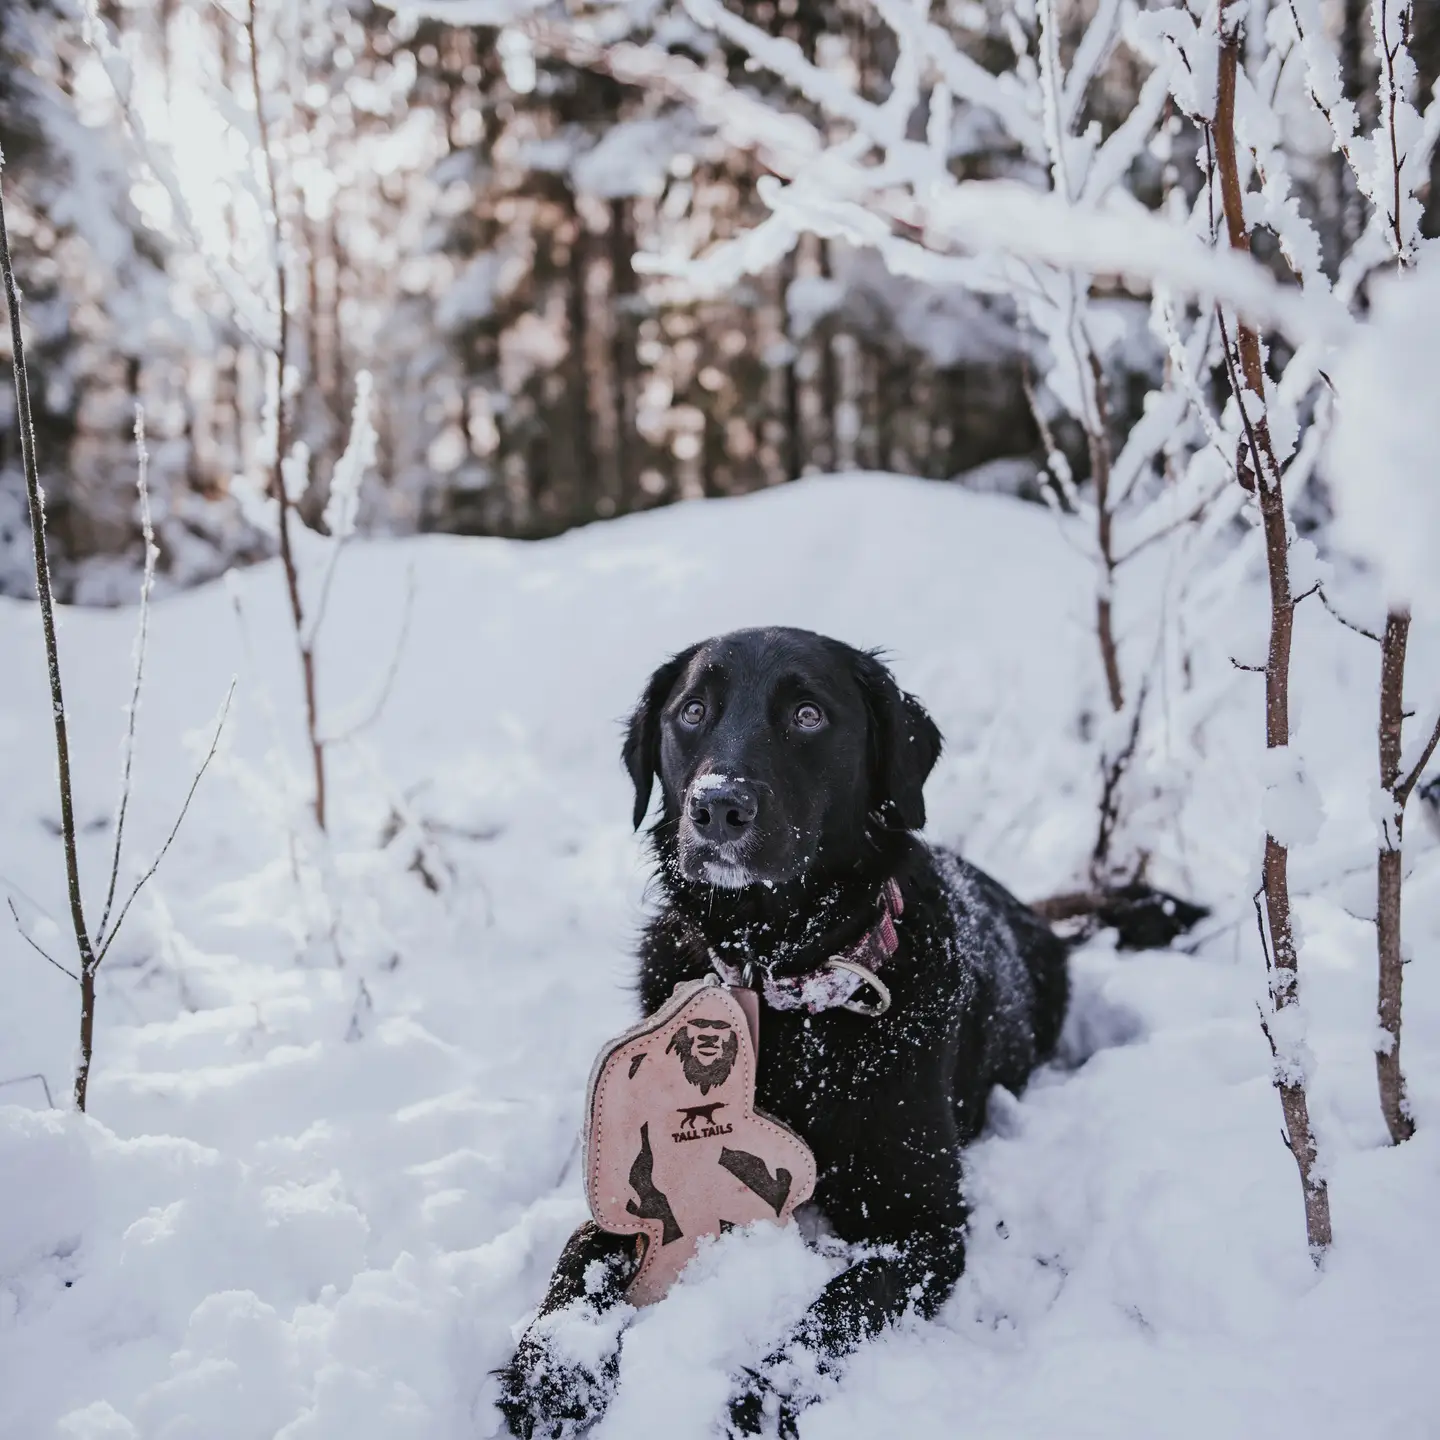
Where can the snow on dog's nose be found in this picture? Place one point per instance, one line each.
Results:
(722, 809)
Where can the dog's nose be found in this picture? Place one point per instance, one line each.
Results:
(723, 811)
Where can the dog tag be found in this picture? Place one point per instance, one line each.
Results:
(674, 1147)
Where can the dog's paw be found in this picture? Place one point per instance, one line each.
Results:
(546, 1397)
(758, 1408)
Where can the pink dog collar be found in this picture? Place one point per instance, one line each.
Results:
(835, 983)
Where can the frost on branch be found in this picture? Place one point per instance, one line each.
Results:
(359, 455)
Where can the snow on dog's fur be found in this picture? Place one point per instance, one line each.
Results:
(834, 757)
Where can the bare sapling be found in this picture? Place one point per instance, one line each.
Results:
(277, 317)
(91, 946)
(1397, 777)
(1388, 168)
(304, 638)
(289, 467)
(1259, 472)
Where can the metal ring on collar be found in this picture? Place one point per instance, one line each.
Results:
(871, 979)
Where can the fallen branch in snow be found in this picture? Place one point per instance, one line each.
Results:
(91, 950)
(1142, 917)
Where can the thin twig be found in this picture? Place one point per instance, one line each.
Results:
(1343, 146)
(35, 944)
(1168, 529)
(1405, 786)
(1181, 361)
(147, 583)
(1097, 433)
(323, 604)
(1390, 51)
(382, 697)
(1056, 464)
(1114, 769)
(174, 829)
(35, 1075)
(25, 895)
(1347, 623)
(1238, 390)
(1264, 942)
(1269, 1036)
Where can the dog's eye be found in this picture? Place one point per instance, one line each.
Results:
(692, 712)
(809, 716)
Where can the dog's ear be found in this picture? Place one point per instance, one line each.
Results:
(641, 751)
(903, 747)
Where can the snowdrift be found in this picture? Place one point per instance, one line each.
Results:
(332, 1149)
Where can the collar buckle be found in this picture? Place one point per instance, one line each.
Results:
(871, 979)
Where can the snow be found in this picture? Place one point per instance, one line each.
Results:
(472, 295)
(633, 158)
(465, 12)
(1292, 810)
(1381, 456)
(332, 1149)
(343, 503)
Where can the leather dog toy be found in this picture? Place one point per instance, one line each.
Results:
(674, 1147)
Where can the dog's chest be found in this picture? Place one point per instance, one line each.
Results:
(815, 1070)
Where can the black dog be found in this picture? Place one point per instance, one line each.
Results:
(791, 770)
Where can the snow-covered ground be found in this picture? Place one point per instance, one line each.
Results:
(331, 1153)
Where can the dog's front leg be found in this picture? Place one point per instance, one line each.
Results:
(854, 1307)
(547, 1389)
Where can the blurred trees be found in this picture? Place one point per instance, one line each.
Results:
(463, 205)
(462, 214)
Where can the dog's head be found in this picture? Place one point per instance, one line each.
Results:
(780, 754)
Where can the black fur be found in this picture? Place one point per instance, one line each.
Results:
(813, 818)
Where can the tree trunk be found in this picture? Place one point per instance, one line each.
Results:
(1389, 878)
(87, 1034)
(1264, 477)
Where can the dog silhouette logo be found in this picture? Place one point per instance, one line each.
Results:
(692, 1115)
